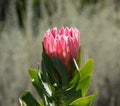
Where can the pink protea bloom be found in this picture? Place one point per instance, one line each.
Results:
(64, 45)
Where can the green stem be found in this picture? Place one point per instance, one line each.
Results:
(58, 102)
(58, 97)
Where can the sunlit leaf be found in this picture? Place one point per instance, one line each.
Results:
(84, 85)
(87, 69)
(84, 101)
(35, 81)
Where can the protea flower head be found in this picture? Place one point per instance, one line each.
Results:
(64, 44)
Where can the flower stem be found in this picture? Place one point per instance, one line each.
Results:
(58, 97)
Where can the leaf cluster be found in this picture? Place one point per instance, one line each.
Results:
(56, 87)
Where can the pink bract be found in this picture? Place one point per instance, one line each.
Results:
(64, 45)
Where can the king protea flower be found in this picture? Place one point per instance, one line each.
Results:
(64, 45)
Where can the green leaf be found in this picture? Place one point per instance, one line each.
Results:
(84, 85)
(39, 85)
(50, 69)
(86, 70)
(85, 77)
(44, 75)
(29, 99)
(71, 95)
(41, 102)
(84, 101)
(62, 70)
(73, 67)
(74, 80)
(35, 81)
(79, 58)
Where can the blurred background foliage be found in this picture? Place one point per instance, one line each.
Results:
(22, 26)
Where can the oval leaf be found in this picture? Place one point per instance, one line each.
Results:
(85, 101)
(84, 85)
(87, 69)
